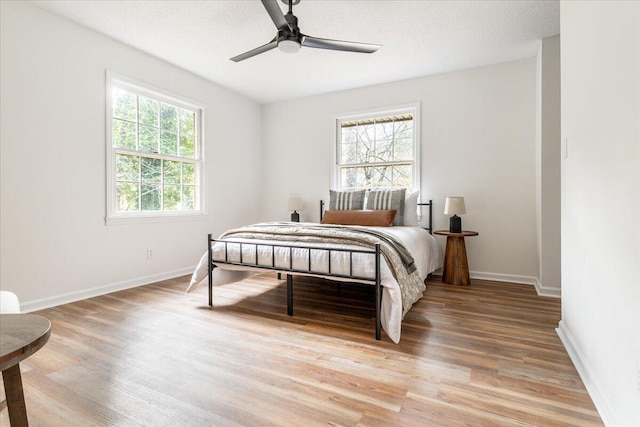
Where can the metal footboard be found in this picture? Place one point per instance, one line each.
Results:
(291, 271)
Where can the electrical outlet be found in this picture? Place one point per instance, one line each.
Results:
(149, 253)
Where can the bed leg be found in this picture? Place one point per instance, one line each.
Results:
(211, 286)
(211, 267)
(289, 294)
(378, 294)
(378, 304)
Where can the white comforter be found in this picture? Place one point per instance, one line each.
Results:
(422, 246)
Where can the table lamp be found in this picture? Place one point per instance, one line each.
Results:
(295, 205)
(455, 206)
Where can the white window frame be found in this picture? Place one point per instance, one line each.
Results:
(413, 109)
(113, 217)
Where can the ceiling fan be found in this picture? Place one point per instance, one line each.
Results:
(289, 38)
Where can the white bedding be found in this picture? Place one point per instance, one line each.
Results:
(422, 246)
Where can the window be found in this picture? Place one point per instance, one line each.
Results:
(154, 153)
(378, 149)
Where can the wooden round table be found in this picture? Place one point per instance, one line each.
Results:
(456, 268)
(21, 335)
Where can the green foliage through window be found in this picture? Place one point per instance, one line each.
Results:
(156, 153)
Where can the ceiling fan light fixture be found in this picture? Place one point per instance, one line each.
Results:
(289, 46)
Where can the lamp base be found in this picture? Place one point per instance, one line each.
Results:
(295, 217)
(455, 224)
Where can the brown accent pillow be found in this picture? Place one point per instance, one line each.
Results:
(382, 218)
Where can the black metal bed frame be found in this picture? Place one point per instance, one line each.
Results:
(309, 271)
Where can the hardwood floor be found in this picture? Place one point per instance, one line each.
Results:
(481, 355)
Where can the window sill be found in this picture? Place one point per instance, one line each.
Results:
(154, 218)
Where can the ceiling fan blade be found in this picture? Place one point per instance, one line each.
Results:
(318, 43)
(253, 52)
(276, 14)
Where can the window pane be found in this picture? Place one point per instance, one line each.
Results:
(169, 143)
(126, 197)
(384, 130)
(382, 176)
(151, 170)
(150, 198)
(355, 177)
(404, 129)
(148, 114)
(123, 134)
(127, 168)
(349, 134)
(365, 132)
(124, 104)
(187, 146)
(347, 178)
(171, 172)
(349, 154)
(148, 139)
(364, 152)
(402, 175)
(187, 122)
(383, 151)
(188, 173)
(172, 197)
(188, 198)
(375, 177)
(403, 149)
(168, 118)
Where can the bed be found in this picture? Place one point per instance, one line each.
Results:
(395, 259)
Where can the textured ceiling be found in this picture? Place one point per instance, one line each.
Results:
(418, 38)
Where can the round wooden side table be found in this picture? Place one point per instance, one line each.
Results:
(21, 335)
(456, 268)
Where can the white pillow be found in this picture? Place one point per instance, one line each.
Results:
(411, 209)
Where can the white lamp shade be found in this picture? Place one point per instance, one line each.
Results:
(454, 206)
(295, 204)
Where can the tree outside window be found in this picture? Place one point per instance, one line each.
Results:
(155, 147)
(376, 151)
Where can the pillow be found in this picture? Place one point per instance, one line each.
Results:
(346, 200)
(388, 200)
(379, 218)
(411, 209)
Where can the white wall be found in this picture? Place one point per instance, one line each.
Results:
(601, 202)
(54, 242)
(478, 141)
(548, 166)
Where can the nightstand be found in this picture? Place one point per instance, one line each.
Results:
(456, 268)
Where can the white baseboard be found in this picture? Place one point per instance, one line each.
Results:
(515, 278)
(499, 277)
(545, 291)
(582, 366)
(41, 304)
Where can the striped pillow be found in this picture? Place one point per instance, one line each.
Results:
(388, 200)
(346, 200)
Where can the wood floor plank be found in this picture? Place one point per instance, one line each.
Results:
(478, 355)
